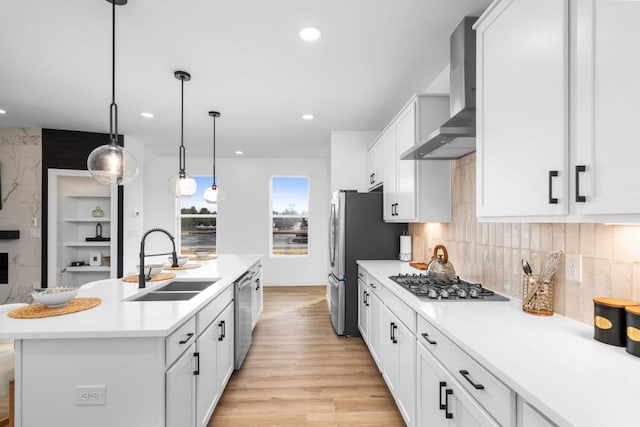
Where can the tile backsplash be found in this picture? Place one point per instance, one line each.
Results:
(491, 253)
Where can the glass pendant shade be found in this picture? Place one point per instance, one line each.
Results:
(213, 194)
(112, 164)
(182, 186)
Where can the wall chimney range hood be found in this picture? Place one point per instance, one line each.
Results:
(457, 137)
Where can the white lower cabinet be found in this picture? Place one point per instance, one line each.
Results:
(528, 416)
(399, 363)
(440, 401)
(214, 364)
(363, 310)
(195, 382)
(181, 391)
(376, 324)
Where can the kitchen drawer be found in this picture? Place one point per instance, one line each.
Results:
(363, 275)
(401, 310)
(180, 340)
(213, 309)
(376, 287)
(498, 399)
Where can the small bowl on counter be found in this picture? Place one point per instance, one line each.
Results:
(201, 253)
(182, 260)
(150, 269)
(54, 297)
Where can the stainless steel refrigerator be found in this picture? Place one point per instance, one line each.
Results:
(356, 232)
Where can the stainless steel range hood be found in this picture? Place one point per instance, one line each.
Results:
(456, 137)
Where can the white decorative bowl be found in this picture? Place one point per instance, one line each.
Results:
(201, 253)
(182, 260)
(54, 297)
(150, 269)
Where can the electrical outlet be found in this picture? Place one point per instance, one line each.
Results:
(90, 395)
(573, 268)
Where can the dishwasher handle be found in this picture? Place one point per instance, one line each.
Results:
(245, 280)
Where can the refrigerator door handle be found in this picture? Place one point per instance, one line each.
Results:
(332, 235)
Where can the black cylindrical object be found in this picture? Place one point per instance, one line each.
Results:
(610, 320)
(633, 330)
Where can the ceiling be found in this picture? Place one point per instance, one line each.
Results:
(246, 61)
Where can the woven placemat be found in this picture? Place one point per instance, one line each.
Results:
(182, 267)
(203, 258)
(155, 278)
(37, 310)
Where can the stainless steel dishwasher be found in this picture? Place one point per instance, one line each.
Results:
(243, 312)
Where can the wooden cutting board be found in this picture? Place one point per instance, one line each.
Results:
(418, 265)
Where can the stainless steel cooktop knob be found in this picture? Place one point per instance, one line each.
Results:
(444, 293)
(473, 293)
(462, 293)
(432, 293)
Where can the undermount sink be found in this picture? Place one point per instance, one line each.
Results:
(178, 290)
(185, 285)
(166, 296)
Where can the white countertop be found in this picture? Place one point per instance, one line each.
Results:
(116, 317)
(552, 362)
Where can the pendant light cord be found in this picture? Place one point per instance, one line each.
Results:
(182, 151)
(113, 108)
(213, 178)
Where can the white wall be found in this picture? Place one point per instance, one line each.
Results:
(133, 202)
(348, 154)
(244, 215)
(440, 85)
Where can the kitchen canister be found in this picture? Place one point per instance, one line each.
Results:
(633, 330)
(405, 248)
(609, 322)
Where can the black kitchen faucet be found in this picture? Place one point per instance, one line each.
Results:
(141, 275)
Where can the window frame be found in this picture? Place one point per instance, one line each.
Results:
(272, 216)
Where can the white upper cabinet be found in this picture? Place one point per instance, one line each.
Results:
(415, 191)
(556, 114)
(375, 165)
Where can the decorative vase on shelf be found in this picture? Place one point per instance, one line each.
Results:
(97, 212)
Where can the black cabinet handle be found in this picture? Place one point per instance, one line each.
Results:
(360, 274)
(426, 337)
(221, 326)
(373, 179)
(197, 356)
(552, 200)
(442, 385)
(391, 325)
(372, 285)
(579, 169)
(447, 414)
(257, 284)
(465, 374)
(393, 333)
(189, 336)
(366, 299)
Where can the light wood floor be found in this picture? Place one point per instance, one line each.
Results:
(298, 372)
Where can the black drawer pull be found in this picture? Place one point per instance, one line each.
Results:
(184, 341)
(552, 200)
(426, 337)
(447, 414)
(465, 374)
(579, 169)
(393, 333)
(197, 371)
(442, 385)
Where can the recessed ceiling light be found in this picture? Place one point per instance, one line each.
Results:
(310, 34)
(238, 152)
(3, 111)
(147, 115)
(307, 116)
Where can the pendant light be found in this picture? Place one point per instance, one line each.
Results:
(111, 163)
(182, 184)
(213, 194)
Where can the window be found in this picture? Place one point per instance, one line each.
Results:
(289, 215)
(198, 220)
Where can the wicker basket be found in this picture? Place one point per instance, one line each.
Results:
(541, 302)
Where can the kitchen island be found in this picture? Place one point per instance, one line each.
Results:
(124, 362)
(535, 371)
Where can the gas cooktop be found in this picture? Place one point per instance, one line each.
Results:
(432, 288)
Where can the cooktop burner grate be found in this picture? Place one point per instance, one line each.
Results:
(441, 289)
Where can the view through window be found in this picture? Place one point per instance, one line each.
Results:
(198, 220)
(290, 215)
